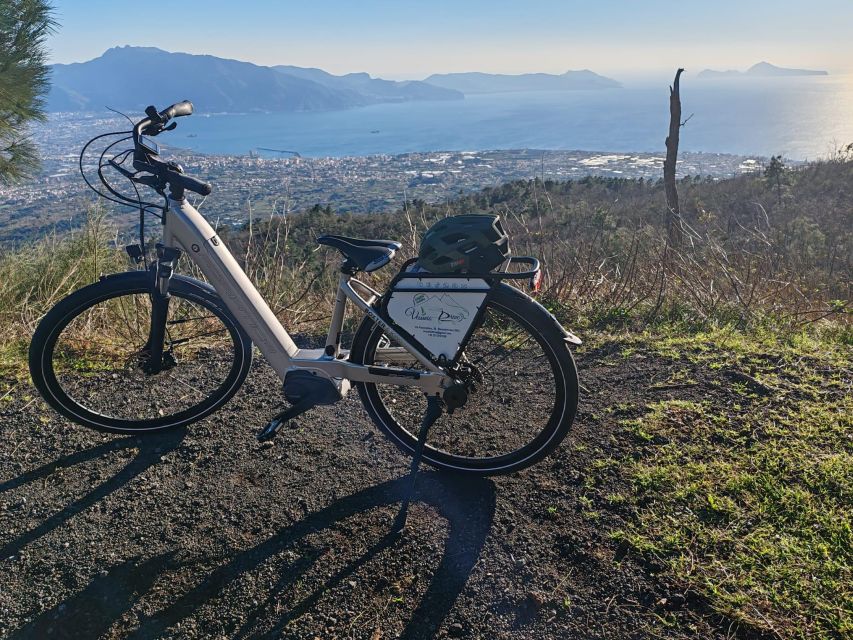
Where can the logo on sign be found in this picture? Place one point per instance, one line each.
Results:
(437, 308)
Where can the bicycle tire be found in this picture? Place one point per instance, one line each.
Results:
(549, 336)
(43, 349)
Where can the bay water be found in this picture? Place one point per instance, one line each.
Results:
(801, 118)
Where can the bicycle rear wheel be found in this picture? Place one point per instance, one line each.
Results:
(522, 398)
(88, 356)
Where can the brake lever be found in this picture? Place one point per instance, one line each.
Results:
(151, 181)
(156, 128)
(115, 165)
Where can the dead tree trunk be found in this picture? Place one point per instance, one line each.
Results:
(674, 212)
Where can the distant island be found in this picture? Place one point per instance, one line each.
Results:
(475, 82)
(134, 77)
(761, 70)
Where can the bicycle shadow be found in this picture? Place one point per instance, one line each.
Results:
(90, 613)
(467, 504)
(151, 448)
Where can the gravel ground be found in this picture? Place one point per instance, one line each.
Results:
(202, 533)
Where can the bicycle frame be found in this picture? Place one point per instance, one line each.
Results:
(187, 230)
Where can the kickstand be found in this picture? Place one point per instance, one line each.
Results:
(433, 413)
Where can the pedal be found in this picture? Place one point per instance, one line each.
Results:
(271, 430)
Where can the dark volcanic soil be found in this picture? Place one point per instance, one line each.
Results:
(204, 534)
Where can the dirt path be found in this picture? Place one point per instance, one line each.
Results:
(203, 534)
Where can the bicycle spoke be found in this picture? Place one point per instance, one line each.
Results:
(102, 365)
(185, 320)
(504, 358)
(510, 405)
(199, 335)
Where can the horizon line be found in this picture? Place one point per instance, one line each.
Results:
(637, 71)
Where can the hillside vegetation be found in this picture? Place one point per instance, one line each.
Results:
(752, 252)
(730, 476)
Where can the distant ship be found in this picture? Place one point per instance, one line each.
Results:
(192, 135)
(375, 131)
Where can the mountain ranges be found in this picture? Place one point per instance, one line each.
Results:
(134, 77)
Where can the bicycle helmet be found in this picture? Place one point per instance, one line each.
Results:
(473, 242)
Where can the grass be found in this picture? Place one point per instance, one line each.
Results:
(749, 503)
(36, 277)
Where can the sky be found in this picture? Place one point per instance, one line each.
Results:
(399, 39)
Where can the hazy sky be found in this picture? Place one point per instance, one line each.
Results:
(413, 39)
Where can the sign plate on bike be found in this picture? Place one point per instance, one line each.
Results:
(437, 312)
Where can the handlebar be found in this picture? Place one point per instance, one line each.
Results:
(156, 121)
(184, 108)
(182, 181)
(146, 160)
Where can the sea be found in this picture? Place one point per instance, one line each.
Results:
(801, 118)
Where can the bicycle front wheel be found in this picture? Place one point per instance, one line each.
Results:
(88, 356)
(523, 390)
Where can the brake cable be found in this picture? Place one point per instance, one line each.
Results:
(121, 199)
(82, 172)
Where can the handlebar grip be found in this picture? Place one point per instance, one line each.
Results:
(189, 183)
(177, 110)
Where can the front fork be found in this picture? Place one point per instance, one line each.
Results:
(157, 358)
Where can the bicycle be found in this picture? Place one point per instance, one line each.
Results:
(149, 349)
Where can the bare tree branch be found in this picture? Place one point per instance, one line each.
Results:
(674, 213)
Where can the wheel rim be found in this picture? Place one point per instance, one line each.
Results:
(96, 360)
(512, 413)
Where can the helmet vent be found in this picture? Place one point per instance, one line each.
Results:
(470, 243)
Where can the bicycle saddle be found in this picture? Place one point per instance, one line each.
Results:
(363, 254)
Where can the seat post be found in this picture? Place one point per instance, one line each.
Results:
(333, 340)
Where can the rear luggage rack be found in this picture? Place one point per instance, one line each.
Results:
(530, 274)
